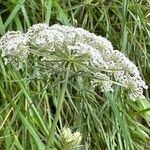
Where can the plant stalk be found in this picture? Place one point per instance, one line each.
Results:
(50, 139)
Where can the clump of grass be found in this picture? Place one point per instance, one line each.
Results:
(29, 99)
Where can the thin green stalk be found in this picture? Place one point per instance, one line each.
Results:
(23, 88)
(14, 13)
(48, 11)
(50, 139)
(124, 27)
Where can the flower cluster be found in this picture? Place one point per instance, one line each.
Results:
(78, 42)
(70, 140)
(103, 81)
(14, 47)
(42, 35)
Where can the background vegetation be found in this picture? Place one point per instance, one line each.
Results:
(27, 103)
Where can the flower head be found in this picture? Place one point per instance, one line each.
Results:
(70, 140)
(97, 51)
(14, 47)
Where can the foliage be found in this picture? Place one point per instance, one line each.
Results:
(29, 98)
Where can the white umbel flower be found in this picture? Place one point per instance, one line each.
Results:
(14, 47)
(103, 81)
(42, 35)
(94, 50)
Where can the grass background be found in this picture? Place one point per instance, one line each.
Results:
(111, 123)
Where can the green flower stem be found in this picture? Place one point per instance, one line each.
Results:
(50, 139)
